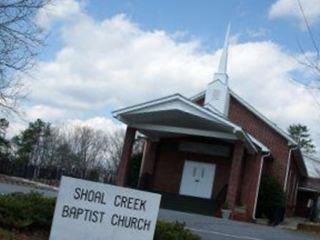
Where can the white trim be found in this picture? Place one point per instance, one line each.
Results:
(210, 115)
(248, 140)
(262, 117)
(287, 169)
(211, 232)
(187, 131)
(198, 96)
(259, 144)
(117, 114)
(253, 110)
(308, 189)
(258, 185)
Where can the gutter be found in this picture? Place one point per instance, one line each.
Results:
(242, 135)
(258, 186)
(288, 167)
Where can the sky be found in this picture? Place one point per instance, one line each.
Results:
(104, 55)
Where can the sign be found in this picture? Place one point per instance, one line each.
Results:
(88, 210)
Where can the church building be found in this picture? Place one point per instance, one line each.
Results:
(213, 148)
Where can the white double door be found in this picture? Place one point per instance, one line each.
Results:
(197, 179)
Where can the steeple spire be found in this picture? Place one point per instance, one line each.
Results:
(217, 93)
(224, 56)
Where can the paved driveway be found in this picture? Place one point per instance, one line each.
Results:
(10, 188)
(9, 184)
(219, 229)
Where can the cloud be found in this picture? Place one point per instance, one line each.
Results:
(98, 123)
(261, 72)
(110, 62)
(58, 10)
(45, 113)
(290, 9)
(257, 33)
(104, 65)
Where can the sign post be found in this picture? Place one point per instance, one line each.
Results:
(88, 210)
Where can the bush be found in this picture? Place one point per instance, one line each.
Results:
(134, 170)
(26, 211)
(33, 211)
(271, 197)
(173, 231)
(225, 205)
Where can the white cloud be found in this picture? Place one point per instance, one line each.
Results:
(98, 123)
(261, 72)
(257, 33)
(112, 63)
(58, 10)
(45, 113)
(290, 8)
(15, 128)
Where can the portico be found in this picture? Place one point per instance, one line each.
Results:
(192, 153)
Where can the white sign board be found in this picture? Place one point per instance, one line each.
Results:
(88, 210)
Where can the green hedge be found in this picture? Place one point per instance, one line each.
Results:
(33, 211)
(271, 197)
(26, 211)
(173, 231)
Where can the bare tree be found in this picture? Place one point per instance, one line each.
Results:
(89, 146)
(20, 39)
(114, 149)
(311, 61)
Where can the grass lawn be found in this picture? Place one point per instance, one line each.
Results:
(8, 235)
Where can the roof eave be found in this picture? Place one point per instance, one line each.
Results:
(291, 142)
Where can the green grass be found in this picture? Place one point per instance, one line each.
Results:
(6, 235)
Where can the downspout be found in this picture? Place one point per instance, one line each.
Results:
(258, 185)
(288, 167)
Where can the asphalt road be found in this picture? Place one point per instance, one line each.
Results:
(6, 188)
(210, 228)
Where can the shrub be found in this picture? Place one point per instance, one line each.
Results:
(5, 234)
(33, 211)
(94, 175)
(173, 231)
(26, 211)
(134, 170)
(271, 197)
(225, 205)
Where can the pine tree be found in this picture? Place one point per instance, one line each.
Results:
(31, 143)
(4, 143)
(300, 133)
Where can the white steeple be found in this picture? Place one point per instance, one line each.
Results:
(217, 93)
(224, 56)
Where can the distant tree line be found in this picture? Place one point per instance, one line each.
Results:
(78, 151)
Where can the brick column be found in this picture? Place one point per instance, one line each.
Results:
(235, 174)
(254, 168)
(125, 156)
(148, 163)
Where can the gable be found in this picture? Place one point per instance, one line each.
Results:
(249, 116)
(250, 122)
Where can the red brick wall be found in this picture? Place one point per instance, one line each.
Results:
(278, 145)
(170, 162)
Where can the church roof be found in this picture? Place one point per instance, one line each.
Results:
(312, 165)
(177, 114)
(254, 111)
